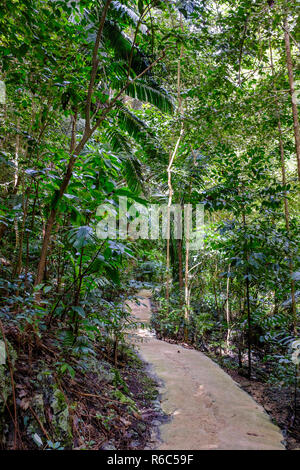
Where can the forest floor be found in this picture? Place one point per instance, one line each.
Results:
(100, 408)
(103, 407)
(207, 409)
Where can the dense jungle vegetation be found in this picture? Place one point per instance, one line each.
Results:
(164, 102)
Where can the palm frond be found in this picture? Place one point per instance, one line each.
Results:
(122, 45)
(124, 14)
(132, 172)
(113, 37)
(131, 167)
(141, 133)
(130, 123)
(118, 141)
(117, 70)
(150, 92)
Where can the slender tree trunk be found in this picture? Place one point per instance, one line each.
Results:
(249, 326)
(34, 206)
(168, 233)
(17, 178)
(286, 207)
(228, 307)
(74, 152)
(59, 270)
(292, 93)
(18, 262)
(53, 212)
(89, 131)
(31, 231)
(249, 336)
(180, 276)
(186, 277)
(215, 296)
(116, 350)
(77, 294)
(169, 170)
(169, 173)
(287, 224)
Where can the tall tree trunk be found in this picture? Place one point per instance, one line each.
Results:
(249, 336)
(89, 131)
(180, 276)
(228, 307)
(77, 294)
(58, 270)
(169, 173)
(50, 222)
(286, 207)
(17, 178)
(292, 93)
(18, 262)
(186, 276)
(168, 234)
(249, 326)
(74, 152)
(169, 170)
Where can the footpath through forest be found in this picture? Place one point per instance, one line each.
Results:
(207, 408)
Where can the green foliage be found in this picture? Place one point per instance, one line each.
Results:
(213, 78)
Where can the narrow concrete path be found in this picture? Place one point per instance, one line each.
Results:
(208, 409)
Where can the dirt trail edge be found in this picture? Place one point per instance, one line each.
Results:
(208, 409)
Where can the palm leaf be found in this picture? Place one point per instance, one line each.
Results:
(118, 141)
(122, 45)
(130, 123)
(131, 166)
(113, 37)
(150, 92)
(126, 15)
(116, 69)
(132, 172)
(138, 129)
